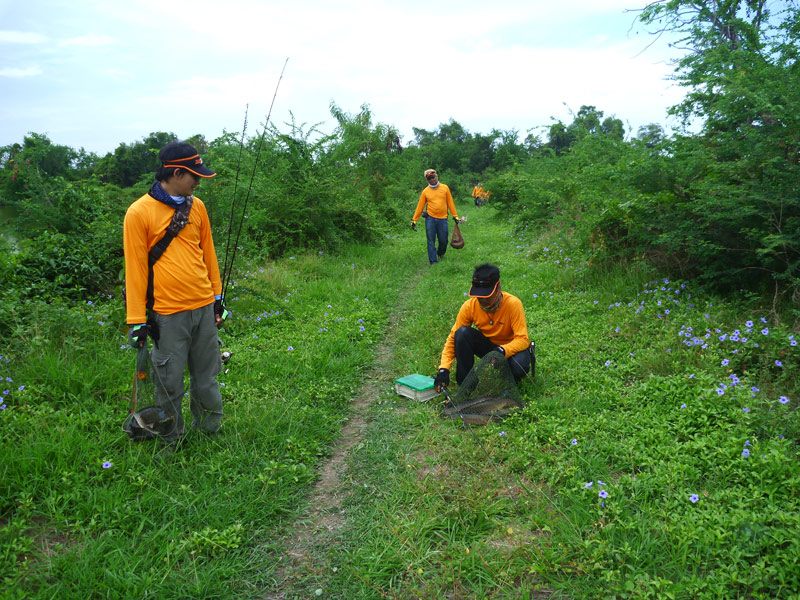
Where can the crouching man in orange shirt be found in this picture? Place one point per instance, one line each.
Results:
(491, 320)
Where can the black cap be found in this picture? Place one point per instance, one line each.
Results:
(183, 155)
(484, 280)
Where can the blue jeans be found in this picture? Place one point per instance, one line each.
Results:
(436, 228)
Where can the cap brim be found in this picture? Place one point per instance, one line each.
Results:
(482, 292)
(199, 170)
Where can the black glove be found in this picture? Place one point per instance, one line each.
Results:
(413, 225)
(220, 310)
(138, 335)
(442, 379)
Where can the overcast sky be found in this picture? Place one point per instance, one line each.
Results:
(95, 74)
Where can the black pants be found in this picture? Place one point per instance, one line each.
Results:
(469, 343)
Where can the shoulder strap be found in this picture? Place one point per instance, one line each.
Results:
(179, 220)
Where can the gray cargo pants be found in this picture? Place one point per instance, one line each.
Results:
(188, 338)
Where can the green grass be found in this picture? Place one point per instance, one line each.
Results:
(430, 509)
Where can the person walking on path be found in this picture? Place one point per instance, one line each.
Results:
(499, 325)
(436, 200)
(173, 289)
(477, 194)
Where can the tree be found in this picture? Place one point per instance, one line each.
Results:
(129, 163)
(737, 207)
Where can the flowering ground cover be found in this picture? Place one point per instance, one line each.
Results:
(656, 456)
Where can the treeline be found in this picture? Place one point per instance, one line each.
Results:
(721, 205)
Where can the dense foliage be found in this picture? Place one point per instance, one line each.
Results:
(720, 205)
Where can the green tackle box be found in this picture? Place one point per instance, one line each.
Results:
(417, 387)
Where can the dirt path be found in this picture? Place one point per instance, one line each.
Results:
(324, 514)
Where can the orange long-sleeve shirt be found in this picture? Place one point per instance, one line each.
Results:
(506, 327)
(439, 200)
(187, 274)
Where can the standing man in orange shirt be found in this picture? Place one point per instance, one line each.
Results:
(173, 290)
(439, 200)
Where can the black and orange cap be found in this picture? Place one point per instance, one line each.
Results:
(193, 164)
(485, 280)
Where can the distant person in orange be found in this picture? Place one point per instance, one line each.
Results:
(477, 193)
(436, 200)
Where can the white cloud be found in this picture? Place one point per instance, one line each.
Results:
(12, 72)
(91, 40)
(21, 37)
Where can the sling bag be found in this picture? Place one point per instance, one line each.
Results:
(179, 220)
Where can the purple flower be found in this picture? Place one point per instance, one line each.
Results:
(503, 433)
(793, 343)
(2, 406)
(745, 410)
(587, 485)
(603, 494)
(746, 453)
(725, 362)
(694, 498)
(5, 392)
(778, 363)
(720, 391)
(749, 324)
(683, 405)
(361, 328)
(783, 400)
(574, 442)
(290, 348)
(107, 465)
(747, 442)
(765, 331)
(22, 387)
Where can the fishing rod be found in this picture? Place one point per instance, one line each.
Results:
(226, 274)
(235, 191)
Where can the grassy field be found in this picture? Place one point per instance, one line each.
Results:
(656, 457)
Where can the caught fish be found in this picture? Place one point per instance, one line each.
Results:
(481, 419)
(481, 405)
